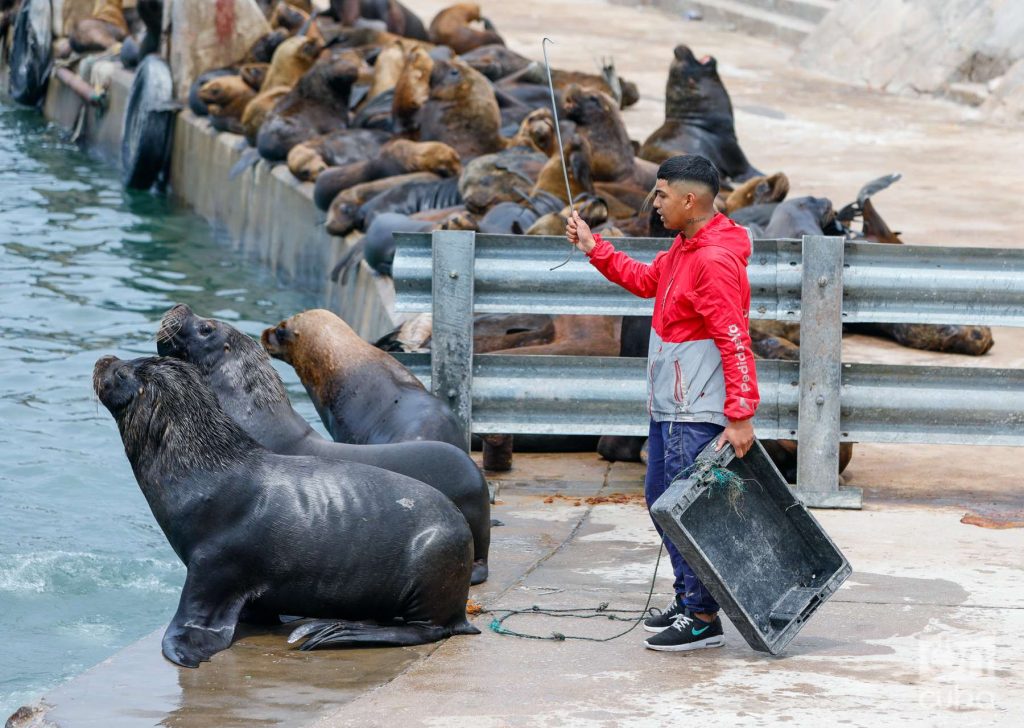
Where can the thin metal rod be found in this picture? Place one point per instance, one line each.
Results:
(558, 136)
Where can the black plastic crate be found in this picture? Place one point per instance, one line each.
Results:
(765, 559)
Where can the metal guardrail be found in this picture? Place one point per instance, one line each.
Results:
(821, 282)
(882, 283)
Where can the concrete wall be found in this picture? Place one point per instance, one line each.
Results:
(969, 50)
(267, 212)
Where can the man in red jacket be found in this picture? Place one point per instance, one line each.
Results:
(700, 370)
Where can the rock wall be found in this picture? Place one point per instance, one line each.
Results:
(970, 50)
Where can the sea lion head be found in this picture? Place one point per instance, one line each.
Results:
(537, 131)
(318, 344)
(168, 416)
(223, 92)
(694, 88)
(214, 346)
(454, 80)
(588, 105)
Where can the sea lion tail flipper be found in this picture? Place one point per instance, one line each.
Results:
(340, 633)
(877, 185)
(248, 159)
(347, 262)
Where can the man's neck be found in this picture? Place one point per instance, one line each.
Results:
(698, 220)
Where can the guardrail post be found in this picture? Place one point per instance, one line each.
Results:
(451, 360)
(821, 350)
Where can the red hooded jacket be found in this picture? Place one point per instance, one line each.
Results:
(700, 366)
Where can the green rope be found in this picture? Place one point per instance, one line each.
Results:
(602, 610)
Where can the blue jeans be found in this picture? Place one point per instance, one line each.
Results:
(671, 448)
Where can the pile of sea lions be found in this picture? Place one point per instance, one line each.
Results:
(378, 535)
(404, 125)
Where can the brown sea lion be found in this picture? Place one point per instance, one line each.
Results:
(461, 111)
(363, 395)
(505, 176)
(452, 27)
(398, 19)
(318, 104)
(256, 111)
(398, 156)
(491, 332)
(226, 99)
(530, 84)
(698, 118)
(757, 191)
(412, 89)
(577, 163)
(598, 119)
(593, 210)
(290, 61)
(388, 68)
(101, 30)
(348, 146)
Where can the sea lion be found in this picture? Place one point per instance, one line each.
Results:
(318, 104)
(505, 176)
(591, 208)
(105, 27)
(291, 59)
(254, 74)
(397, 17)
(277, 534)
(434, 199)
(599, 121)
(491, 332)
(495, 61)
(344, 147)
(451, 27)
(250, 391)
(363, 396)
(256, 111)
(758, 190)
(225, 98)
(196, 104)
(698, 118)
(461, 111)
(398, 156)
(511, 218)
(576, 161)
(345, 213)
(263, 48)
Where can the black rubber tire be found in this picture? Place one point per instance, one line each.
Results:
(30, 58)
(148, 124)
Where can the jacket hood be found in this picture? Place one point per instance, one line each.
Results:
(721, 232)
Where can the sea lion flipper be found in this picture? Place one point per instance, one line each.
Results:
(202, 626)
(343, 633)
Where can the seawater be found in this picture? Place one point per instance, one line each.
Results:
(87, 269)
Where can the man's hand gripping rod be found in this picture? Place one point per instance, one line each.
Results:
(558, 135)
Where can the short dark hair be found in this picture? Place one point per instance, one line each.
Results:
(690, 168)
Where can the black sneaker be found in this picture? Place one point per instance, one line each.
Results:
(688, 633)
(659, 621)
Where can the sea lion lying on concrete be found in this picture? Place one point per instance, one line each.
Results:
(263, 534)
(398, 156)
(491, 332)
(318, 104)
(363, 396)
(452, 27)
(291, 60)
(398, 19)
(195, 103)
(409, 196)
(225, 99)
(101, 30)
(250, 391)
(510, 218)
(698, 118)
(344, 147)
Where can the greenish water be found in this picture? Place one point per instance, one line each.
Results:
(87, 269)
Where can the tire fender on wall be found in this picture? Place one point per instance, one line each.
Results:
(148, 124)
(30, 57)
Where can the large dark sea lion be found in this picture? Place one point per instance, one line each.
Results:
(363, 396)
(250, 391)
(698, 118)
(263, 534)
